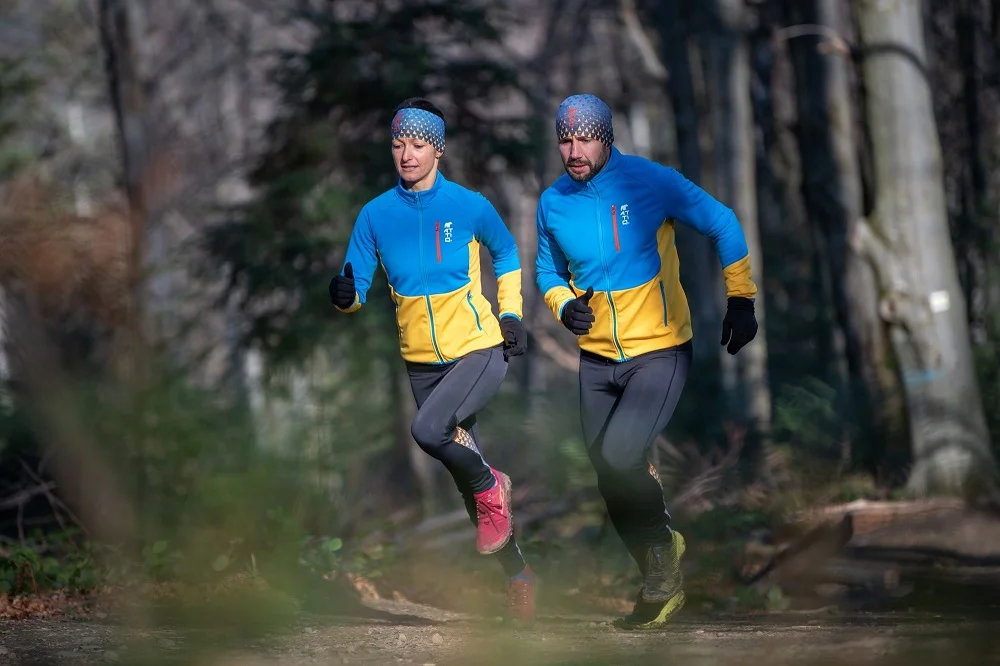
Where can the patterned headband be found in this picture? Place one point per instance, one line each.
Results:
(586, 116)
(414, 123)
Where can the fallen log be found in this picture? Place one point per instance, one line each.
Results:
(886, 549)
(957, 536)
(868, 514)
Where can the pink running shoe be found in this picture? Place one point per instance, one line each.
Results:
(494, 520)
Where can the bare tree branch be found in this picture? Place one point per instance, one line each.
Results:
(833, 40)
(633, 28)
(555, 351)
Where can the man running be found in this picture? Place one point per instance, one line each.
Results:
(608, 270)
(426, 233)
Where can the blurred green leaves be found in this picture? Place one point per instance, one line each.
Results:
(17, 88)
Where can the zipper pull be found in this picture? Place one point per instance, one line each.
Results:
(437, 239)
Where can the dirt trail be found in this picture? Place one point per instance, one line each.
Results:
(854, 640)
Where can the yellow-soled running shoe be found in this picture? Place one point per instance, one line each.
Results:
(661, 596)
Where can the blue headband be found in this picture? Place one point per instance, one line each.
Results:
(414, 123)
(586, 116)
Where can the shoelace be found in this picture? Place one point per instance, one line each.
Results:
(487, 509)
(518, 595)
(656, 564)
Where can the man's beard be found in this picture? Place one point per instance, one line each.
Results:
(587, 175)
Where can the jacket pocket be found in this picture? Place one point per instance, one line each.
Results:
(468, 298)
(663, 302)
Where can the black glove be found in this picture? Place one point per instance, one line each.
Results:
(577, 314)
(515, 340)
(342, 291)
(739, 326)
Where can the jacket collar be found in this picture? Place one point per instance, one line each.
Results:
(411, 198)
(605, 175)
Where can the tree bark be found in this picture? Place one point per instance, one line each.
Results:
(970, 239)
(995, 25)
(744, 375)
(833, 196)
(424, 470)
(128, 102)
(5, 343)
(699, 276)
(909, 243)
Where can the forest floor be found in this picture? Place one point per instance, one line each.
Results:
(434, 603)
(781, 638)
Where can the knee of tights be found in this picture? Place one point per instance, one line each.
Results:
(623, 464)
(428, 435)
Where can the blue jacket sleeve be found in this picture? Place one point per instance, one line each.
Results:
(691, 205)
(495, 235)
(551, 267)
(363, 257)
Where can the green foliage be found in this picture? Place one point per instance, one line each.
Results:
(58, 561)
(17, 103)
(330, 153)
(209, 497)
(809, 415)
(749, 599)
(723, 524)
(577, 470)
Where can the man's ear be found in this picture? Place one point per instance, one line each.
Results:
(438, 153)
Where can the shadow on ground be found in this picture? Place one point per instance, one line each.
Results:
(849, 640)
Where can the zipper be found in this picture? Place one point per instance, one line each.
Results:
(468, 297)
(663, 297)
(614, 226)
(423, 276)
(607, 278)
(437, 239)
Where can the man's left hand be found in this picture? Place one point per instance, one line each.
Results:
(515, 340)
(739, 326)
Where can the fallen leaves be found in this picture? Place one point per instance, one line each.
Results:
(42, 606)
(364, 587)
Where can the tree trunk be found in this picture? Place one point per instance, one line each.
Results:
(971, 240)
(995, 26)
(128, 102)
(832, 192)
(745, 375)
(5, 370)
(423, 468)
(909, 244)
(699, 274)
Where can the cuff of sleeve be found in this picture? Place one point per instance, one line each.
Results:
(356, 305)
(556, 299)
(510, 314)
(739, 281)
(561, 307)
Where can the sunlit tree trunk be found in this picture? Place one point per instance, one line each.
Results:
(907, 239)
(833, 197)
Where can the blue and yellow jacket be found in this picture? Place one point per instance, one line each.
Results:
(615, 233)
(428, 245)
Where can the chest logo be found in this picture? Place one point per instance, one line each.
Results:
(624, 214)
(448, 230)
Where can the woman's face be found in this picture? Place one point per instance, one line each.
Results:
(416, 162)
